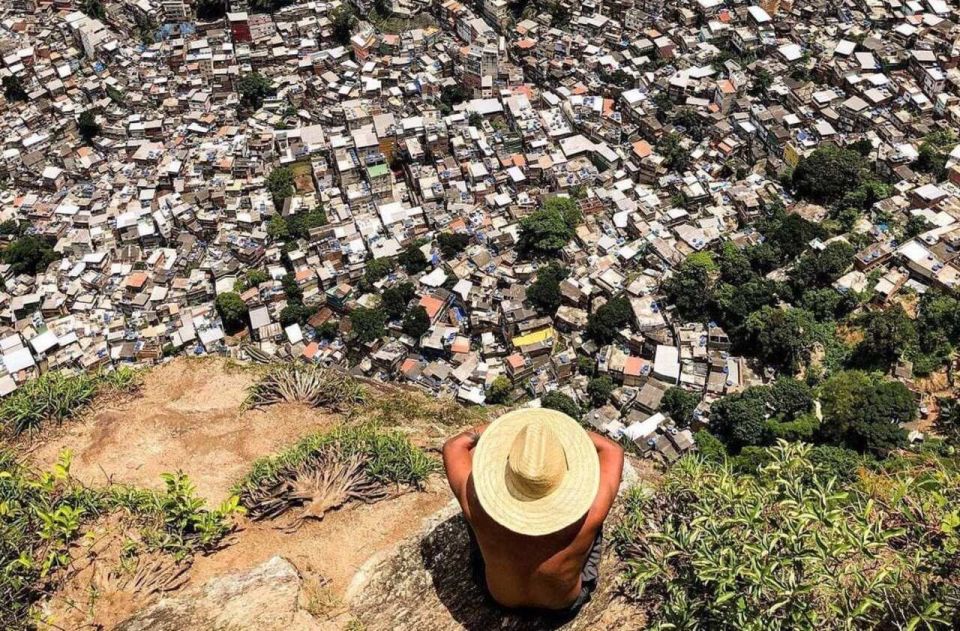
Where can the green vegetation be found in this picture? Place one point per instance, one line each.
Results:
(253, 88)
(211, 9)
(545, 231)
(326, 470)
(368, 324)
(413, 259)
(499, 390)
(780, 337)
(828, 173)
(416, 323)
(544, 293)
(31, 254)
(307, 384)
(301, 224)
(394, 299)
(377, 269)
(13, 89)
(342, 21)
(599, 390)
(232, 310)
(55, 397)
(280, 185)
(42, 514)
(934, 151)
(251, 278)
(863, 411)
(792, 548)
(679, 404)
(604, 323)
(93, 9)
(556, 400)
(452, 243)
(690, 284)
(116, 95)
(88, 126)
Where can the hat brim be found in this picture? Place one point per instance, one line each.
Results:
(566, 504)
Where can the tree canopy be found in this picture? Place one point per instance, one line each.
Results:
(13, 88)
(604, 323)
(689, 287)
(30, 254)
(864, 411)
(280, 185)
(394, 299)
(545, 231)
(556, 400)
(253, 88)
(368, 324)
(828, 173)
(416, 322)
(544, 292)
(232, 310)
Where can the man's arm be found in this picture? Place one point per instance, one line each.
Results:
(458, 461)
(611, 470)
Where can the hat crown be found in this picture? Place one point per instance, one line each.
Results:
(537, 462)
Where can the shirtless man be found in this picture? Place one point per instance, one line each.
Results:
(554, 571)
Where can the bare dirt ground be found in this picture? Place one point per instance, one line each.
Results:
(189, 416)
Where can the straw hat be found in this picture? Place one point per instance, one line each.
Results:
(535, 471)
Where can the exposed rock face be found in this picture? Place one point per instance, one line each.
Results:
(265, 598)
(427, 585)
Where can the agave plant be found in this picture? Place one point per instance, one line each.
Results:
(326, 481)
(302, 383)
(327, 470)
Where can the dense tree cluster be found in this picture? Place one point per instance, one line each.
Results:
(232, 310)
(545, 231)
(556, 400)
(280, 185)
(604, 323)
(544, 292)
(253, 88)
(30, 254)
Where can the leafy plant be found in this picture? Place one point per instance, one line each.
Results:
(43, 513)
(791, 548)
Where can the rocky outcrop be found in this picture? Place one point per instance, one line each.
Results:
(266, 598)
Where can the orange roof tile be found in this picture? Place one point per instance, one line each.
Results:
(432, 305)
(633, 366)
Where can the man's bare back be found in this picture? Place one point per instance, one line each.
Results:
(526, 571)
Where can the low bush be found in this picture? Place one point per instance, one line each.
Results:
(43, 513)
(791, 547)
(55, 397)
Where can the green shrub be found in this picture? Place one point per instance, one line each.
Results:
(55, 396)
(52, 397)
(557, 400)
(43, 513)
(792, 549)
